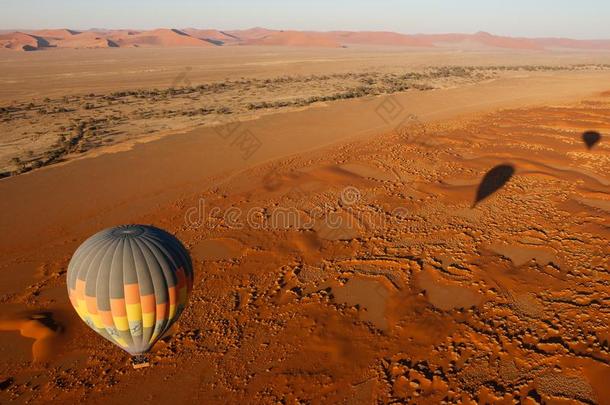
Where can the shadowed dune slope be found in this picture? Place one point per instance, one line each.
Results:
(216, 37)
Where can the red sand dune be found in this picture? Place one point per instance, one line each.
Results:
(483, 39)
(379, 38)
(19, 41)
(192, 37)
(295, 38)
(160, 37)
(252, 33)
(107, 33)
(64, 38)
(551, 43)
(86, 40)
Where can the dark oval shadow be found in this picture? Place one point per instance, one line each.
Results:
(591, 138)
(7, 382)
(46, 318)
(493, 181)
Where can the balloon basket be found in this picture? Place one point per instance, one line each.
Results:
(139, 361)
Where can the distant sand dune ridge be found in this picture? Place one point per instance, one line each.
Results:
(193, 37)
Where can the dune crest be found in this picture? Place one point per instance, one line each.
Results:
(215, 37)
(63, 33)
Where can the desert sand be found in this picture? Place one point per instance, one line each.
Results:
(340, 255)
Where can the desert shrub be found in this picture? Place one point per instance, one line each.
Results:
(422, 87)
(223, 110)
(22, 168)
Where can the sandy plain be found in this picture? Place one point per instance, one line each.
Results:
(338, 254)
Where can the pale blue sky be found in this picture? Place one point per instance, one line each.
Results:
(568, 18)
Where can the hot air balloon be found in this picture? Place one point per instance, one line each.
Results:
(130, 284)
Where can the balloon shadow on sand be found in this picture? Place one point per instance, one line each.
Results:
(493, 181)
(591, 138)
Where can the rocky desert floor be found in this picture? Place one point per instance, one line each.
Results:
(357, 251)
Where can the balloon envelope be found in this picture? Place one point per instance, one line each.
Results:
(130, 284)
